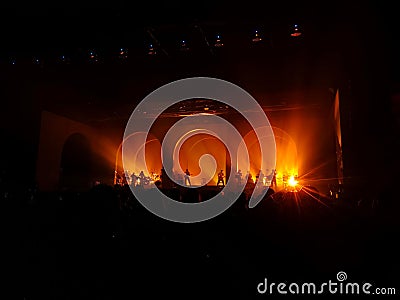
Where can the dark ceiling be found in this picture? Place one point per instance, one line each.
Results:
(341, 41)
(36, 24)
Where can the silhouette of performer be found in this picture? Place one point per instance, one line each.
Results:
(249, 178)
(221, 178)
(142, 178)
(187, 178)
(125, 177)
(134, 179)
(119, 179)
(239, 177)
(273, 180)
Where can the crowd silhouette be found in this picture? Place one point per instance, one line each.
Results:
(104, 244)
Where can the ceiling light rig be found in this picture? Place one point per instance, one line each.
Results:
(36, 61)
(93, 57)
(184, 47)
(296, 32)
(256, 37)
(64, 59)
(123, 54)
(155, 41)
(154, 47)
(151, 50)
(218, 41)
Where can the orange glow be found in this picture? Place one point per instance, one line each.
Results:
(298, 153)
(194, 148)
(292, 181)
(286, 155)
(151, 151)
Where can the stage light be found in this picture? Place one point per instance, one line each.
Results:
(256, 37)
(296, 31)
(184, 46)
(292, 181)
(218, 41)
(36, 60)
(293, 184)
(123, 53)
(93, 57)
(151, 50)
(13, 61)
(64, 59)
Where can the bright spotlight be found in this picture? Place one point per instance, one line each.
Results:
(293, 184)
(292, 181)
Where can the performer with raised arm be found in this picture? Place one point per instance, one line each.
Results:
(221, 178)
